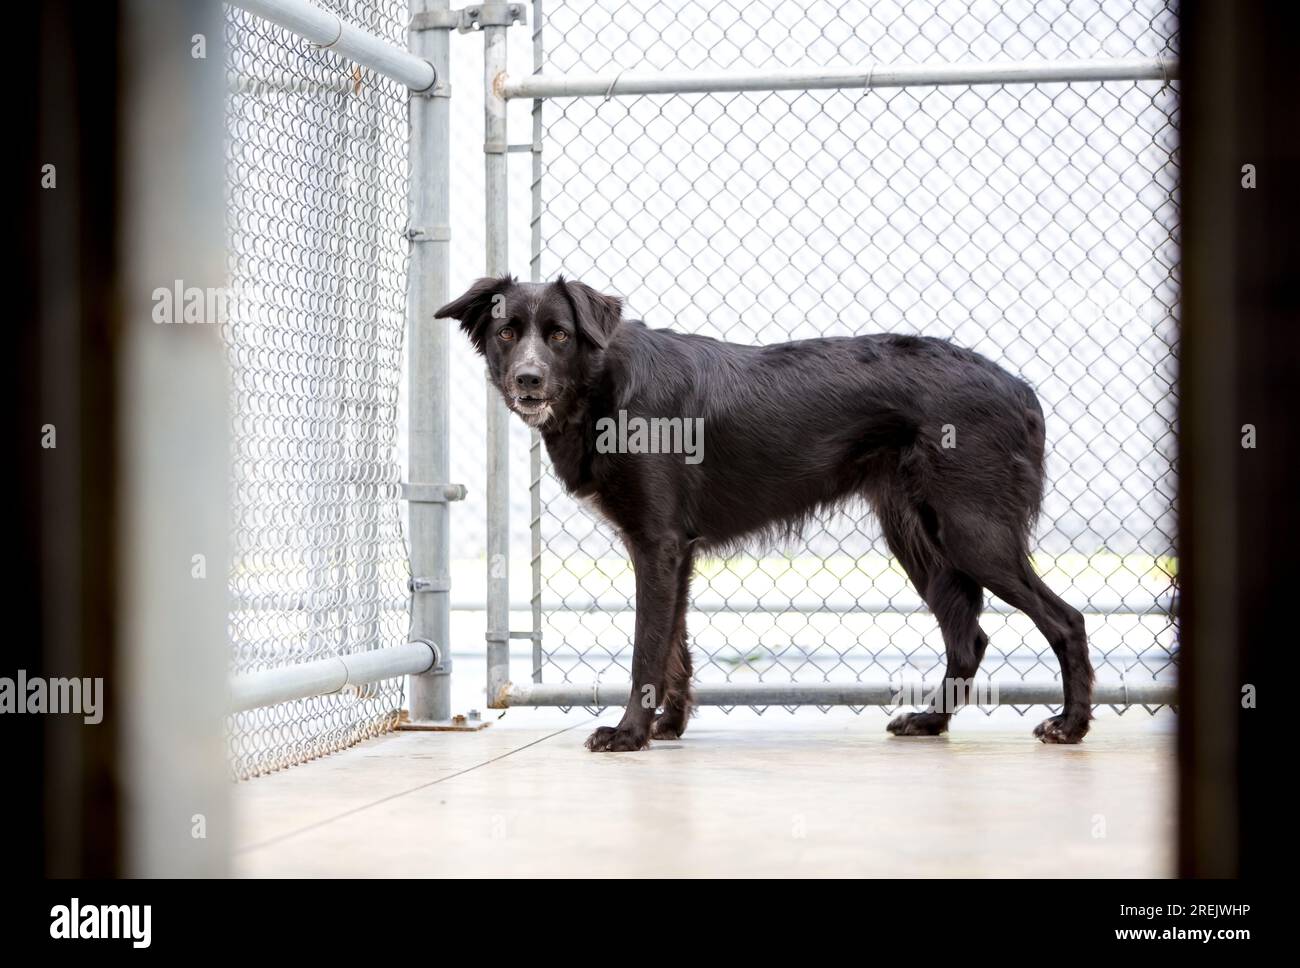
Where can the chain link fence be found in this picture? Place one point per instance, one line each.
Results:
(317, 259)
(1036, 224)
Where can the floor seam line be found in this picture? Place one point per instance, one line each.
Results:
(401, 793)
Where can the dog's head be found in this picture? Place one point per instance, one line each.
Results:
(542, 341)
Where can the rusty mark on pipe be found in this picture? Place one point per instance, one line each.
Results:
(500, 700)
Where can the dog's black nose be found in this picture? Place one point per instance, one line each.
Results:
(528, 378)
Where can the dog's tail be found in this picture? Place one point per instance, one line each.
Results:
(1034, 473)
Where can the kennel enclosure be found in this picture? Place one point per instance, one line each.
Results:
(1002, 175)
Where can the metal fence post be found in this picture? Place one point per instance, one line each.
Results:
(535, 437)
(498, 428)
(429, 696)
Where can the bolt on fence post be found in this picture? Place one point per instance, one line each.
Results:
(498, 428)
(428, 349)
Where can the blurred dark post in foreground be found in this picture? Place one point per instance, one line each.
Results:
(119, 425)
(1239, 370)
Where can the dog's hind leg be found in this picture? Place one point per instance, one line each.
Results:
(671, 723)
(1062, 626)
(997, 557)
(956, 601)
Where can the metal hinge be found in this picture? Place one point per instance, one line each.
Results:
(471, 18)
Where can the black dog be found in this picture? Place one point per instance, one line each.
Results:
(946, 446)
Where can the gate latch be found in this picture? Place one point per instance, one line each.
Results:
(471, 18)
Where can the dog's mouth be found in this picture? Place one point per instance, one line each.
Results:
(532, 404)
(534, 410)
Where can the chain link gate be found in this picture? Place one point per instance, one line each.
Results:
(1035, 222)
(317, 262)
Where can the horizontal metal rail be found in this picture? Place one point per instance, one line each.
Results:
(307, 679)
(326, 30)
(830, 78)
(875, 605)
(761, 656)
(612, 694)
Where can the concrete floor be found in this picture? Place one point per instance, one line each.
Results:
(740, 794)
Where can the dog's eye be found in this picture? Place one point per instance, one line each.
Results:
(559, 336)
(506, 334)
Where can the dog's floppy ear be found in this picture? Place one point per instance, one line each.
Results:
(595, 313)
(475, 309)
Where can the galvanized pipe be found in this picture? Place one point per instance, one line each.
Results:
(253, 690)
(325, 29)
(498, 427)
(828, 78)
(615, 694)
(535, 437)
(711, 604)
(428, 367)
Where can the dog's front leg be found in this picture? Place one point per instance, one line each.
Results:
(656, 563)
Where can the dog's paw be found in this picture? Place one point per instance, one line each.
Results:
(1061, 729)
(918, 724)
(669, 724)
(608, 739)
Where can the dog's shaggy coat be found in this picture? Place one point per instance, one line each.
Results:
(946, 446)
